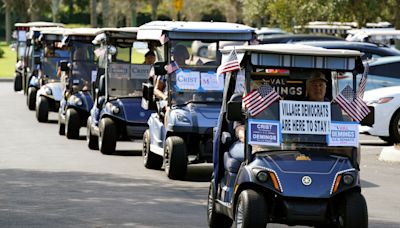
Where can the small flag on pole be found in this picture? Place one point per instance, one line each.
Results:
(353, 105)
(172, 67)
(259, 99)
(363, 81)
(230, 65)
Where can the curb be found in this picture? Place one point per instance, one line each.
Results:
(390, 154)
(6, 79)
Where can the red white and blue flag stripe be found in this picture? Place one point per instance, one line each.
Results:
(259, 99)
(231, 64)
(363, 81)
(352, 104)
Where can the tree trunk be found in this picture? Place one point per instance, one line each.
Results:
(397, 15)
(93, 15)
(133, 11)
(34, 10)
(154, 8)
(55, 6)
(8, 22)
(106, 13)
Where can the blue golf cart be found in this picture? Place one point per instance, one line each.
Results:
(299, 162)
(80, 71)
(183, 135)
(117, 113)
(50, 93)
(25, 53)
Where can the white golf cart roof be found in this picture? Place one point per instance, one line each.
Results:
(123, 33)
(195, 30)
(373, 34)
(296, 55)
(81, 31)
(39, 24)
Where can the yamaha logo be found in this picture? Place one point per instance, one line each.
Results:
(306, 180)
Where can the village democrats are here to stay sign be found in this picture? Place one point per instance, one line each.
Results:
(299, 117)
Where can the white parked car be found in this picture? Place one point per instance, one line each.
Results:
(386, 102)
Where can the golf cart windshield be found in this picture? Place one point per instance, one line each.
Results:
(83, 64)
(53, 54)
(195, 79)
(287, 118)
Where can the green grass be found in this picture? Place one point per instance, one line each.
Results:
(7, 63)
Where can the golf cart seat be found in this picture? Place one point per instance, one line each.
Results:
(231, 163)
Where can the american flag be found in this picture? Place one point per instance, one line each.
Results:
(172, 67)
(259, 99)
(352, 104)
(231, 64)
(363, 81)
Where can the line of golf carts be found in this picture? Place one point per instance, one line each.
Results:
(297, 164)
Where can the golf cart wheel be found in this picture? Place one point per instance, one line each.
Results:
(42, 109)
(107, 136)
(91, 140)
(387, 139)
(175, 158)
(251, 210)
(354, 212)
(150, 159)
(61, 126)
(72, 124)
(31, 98)
(394, 127)
(17, 82)
(215, 219)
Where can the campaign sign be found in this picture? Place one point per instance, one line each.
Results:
(187, 80)
(118, 70)
(262, 132)
(305, 117)
(343, 134)
(211, 82)
(140, 71)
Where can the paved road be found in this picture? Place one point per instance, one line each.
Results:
(49, 181)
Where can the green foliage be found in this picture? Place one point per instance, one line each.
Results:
(1, 53)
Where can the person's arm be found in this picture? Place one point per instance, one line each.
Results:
(158, 90)
(239, 131)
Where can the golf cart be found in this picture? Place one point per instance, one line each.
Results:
(117, 113)
(23, 54)
(193, 90)
(299, 163)
(49, 95)
(80, 71)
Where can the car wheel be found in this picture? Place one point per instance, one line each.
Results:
(107, 136)
(91, 140)
(42, 109)
(387, 139)
(394, 128)
(72, 124)
(353, 212)
(61, 126)
(17, 82)
(202, 52)
(31, 98)
(150, 159)
(250, 201)
(175, 158)
(215, 219)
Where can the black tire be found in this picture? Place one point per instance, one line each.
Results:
(107, 136)
(215, 219)
(175, 158)
(386, 139)
(17, 82)
(150, 159)
(248, 203)
(42, 109)
(394, 128)
(31, 98)
(91, 140)
(354, 211)
(61, 126)
(72, 123)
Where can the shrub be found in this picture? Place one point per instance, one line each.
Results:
(1, 53)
